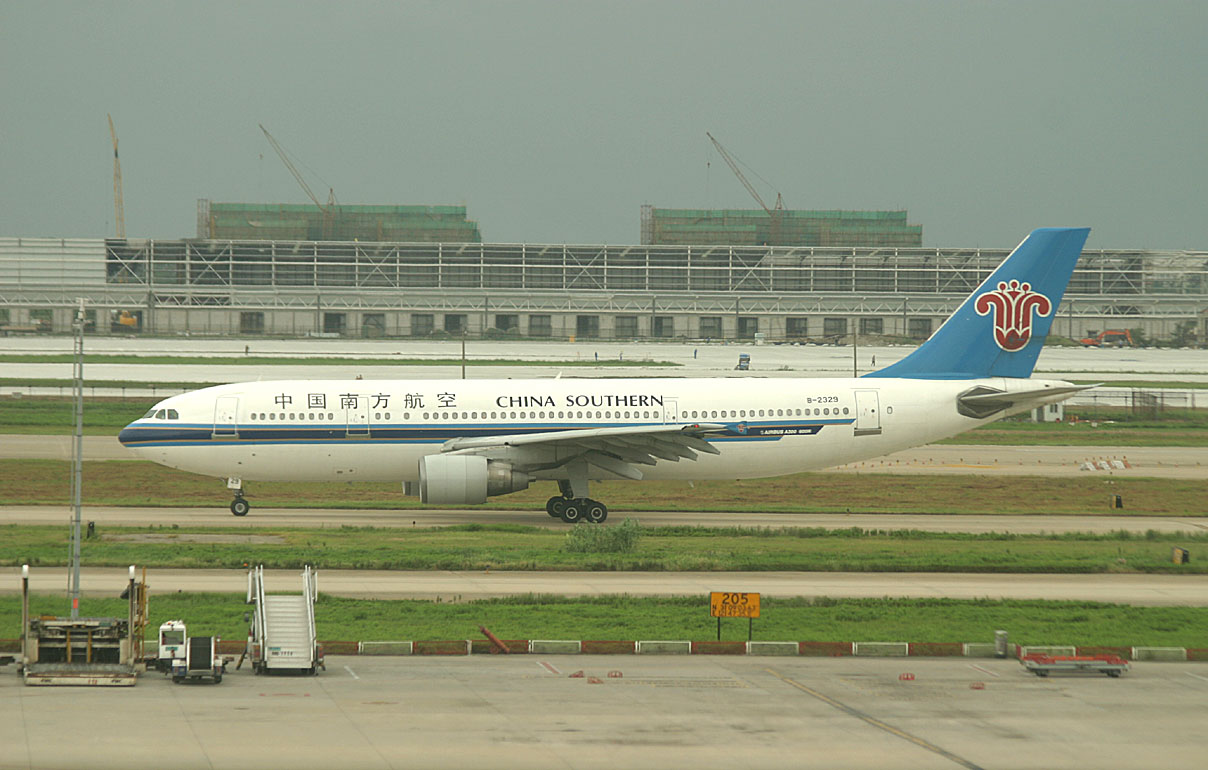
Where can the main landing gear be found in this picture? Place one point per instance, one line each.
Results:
(239, 506)
(572, 510)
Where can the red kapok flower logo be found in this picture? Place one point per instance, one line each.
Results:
(1012, 305)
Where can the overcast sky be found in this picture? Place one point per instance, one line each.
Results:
(556, 121)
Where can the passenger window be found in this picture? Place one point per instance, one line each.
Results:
(387, 415)
(272, 416)
(845, 410)
(320, 415)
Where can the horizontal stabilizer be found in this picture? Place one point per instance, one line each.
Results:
(983, 401)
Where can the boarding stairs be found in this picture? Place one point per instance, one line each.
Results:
(283, 626)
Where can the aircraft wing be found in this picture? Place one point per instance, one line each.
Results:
(617, 450)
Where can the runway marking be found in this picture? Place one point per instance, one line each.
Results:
(351, 673)
(876, 722)
(986, 670)
(1197, 676)
(549, 667)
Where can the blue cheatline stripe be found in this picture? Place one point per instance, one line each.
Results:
(147, 436)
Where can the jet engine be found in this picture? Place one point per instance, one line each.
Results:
(466, 479)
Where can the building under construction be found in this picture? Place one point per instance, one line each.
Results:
(424, 290)
(778, 227)
(334, 222)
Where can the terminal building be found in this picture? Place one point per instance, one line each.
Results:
(364, 288)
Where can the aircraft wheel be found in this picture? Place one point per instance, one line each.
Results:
(596, 512)
(240, 507)
(572, 512)
(554, 506)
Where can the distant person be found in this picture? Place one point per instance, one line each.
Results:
(874, 360)
(247, 349)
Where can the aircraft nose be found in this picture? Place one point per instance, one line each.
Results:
(127, 435)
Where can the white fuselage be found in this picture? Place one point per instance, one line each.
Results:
(366, 430)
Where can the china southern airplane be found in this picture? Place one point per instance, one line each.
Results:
(458, 442)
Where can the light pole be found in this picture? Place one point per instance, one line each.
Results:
(77, 478)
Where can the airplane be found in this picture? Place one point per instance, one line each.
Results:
(458, 442)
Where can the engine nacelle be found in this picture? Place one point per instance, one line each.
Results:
(466, 479)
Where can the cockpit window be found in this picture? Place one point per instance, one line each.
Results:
(173, 414)
(149, 415)
(161, 414)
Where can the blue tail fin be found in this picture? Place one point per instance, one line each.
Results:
(999, 330)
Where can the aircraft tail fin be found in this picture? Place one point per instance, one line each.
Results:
(999, 330)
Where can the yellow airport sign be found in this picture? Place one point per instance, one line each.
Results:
(725, 604)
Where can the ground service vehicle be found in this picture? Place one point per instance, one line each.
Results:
(171, 644)
(201, 661)
(1118, 338)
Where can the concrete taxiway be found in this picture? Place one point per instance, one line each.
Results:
(220, 516)
(454, 585)
(660, 712)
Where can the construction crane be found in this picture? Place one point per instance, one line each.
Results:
(119, 209)
(328, 210)
(775, 213)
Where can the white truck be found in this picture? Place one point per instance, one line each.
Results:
(172, 635)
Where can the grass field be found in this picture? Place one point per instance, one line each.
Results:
(140, 483)
(660, 549)
(630, 618)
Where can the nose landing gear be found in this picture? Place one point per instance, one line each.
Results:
(239, 506)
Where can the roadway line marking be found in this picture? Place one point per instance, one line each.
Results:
(986, 670)
(1197, 676)
(876, 722)
(351, 673)
(549, 667)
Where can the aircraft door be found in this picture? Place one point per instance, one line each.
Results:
(868, 413)
(670, 413)
(226, 411)
(358, 416)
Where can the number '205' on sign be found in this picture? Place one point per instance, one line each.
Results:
(724, 604)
